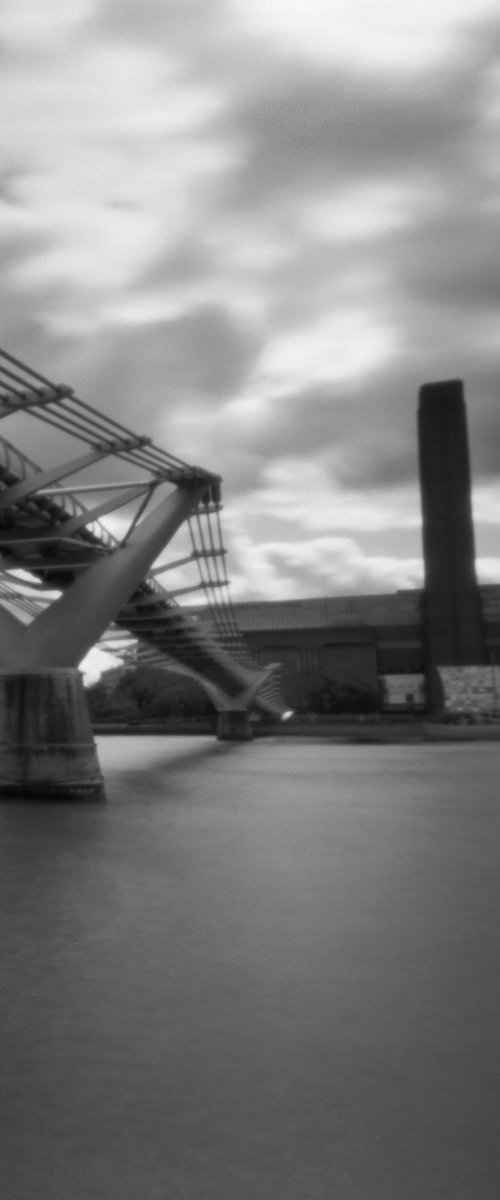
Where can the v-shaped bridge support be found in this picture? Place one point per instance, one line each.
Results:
(233, 712)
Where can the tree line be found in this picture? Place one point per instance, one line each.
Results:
(144, 694)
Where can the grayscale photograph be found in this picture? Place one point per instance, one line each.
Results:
(249, 600)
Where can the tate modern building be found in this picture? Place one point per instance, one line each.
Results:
(421, 642)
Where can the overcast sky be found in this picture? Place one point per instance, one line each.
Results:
(252, 229)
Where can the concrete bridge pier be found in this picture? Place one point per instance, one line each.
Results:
(46, 742)
(234, 725)
(47, 747)
(233, 712)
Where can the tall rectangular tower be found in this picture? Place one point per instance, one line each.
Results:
(452, 619)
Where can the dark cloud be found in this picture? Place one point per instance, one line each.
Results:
(171, 24)
(311, 280)
(186, 262)
(148, 371)
(482, 395)
(451, 260)
(17, 249)
(10, 175)
(309, 422)
(209, 352)
(367, 440)
(25, 332)
(320, 125)
(381, 447)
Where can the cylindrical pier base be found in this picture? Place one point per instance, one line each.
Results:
(47, 747)
(234, 724)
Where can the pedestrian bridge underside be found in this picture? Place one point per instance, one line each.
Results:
(69, 582)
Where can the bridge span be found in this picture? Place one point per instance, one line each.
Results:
(68, 581)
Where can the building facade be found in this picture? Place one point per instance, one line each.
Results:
(377, 642)
(356, 641)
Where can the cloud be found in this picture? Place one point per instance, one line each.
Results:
(253, 231)
(318, 127)
(356, 33)
(168, 374)
(324, 565)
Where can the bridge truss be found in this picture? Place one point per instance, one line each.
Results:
(53, 546)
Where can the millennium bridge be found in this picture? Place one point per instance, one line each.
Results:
(69, 582)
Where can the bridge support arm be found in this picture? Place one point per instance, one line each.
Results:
(62, 635)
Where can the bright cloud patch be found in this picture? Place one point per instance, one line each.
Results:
(340, 348)
(323, 565)
(356, 31)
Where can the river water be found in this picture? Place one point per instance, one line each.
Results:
(262, 970)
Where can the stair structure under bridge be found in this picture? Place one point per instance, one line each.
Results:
(68, 582)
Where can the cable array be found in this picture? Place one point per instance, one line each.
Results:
(202, 640)
(57, 406)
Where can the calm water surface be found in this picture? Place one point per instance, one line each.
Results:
(264, 970)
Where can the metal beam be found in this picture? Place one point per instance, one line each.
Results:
(67, 529)
(62, 635)
(76, 489)
(172, 593)
(70, 562)
(16, 400)
(182, 562)
(42, 480)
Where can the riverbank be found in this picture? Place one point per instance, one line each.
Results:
(385, 731)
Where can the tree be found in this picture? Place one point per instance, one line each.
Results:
(145, 694)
